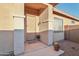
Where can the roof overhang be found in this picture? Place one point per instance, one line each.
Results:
(53, 4)
(61, 13)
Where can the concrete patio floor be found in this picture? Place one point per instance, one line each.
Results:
(70, 48)
(40, 49)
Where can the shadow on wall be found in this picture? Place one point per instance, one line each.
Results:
(42, 36)
(32, 36)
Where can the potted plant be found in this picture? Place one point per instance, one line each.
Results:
(56, 46)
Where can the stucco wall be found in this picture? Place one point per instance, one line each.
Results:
(46, 28)
(32, 27)
(66, 21)
(43, 26)
(6, 25)
(43, 21)
(32, 23)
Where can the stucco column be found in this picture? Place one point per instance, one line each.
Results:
(50, 24)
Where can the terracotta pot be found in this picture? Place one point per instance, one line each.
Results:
(56, 46)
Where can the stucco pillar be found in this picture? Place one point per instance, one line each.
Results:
(50, 24)
(46, 26)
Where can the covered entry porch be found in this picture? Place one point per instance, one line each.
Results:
(39, 22)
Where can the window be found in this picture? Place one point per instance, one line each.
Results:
(58, 24)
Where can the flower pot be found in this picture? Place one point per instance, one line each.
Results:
(56, 46)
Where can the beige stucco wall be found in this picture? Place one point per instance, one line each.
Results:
(32, 23)
(45, 26)
(32, 27)
(43, 20)
(7, 11)
(67, 21)
(5, 18)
